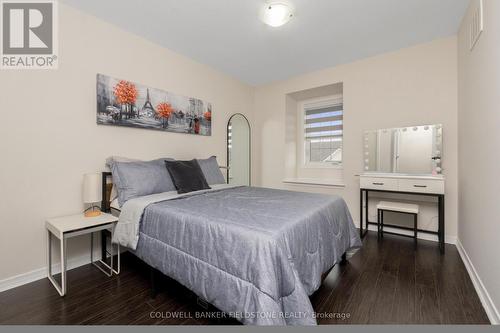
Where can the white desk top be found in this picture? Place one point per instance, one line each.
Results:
(64, 224)
(401, 176)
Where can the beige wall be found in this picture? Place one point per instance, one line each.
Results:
(49, 137)
(413, 86)
(479, 152)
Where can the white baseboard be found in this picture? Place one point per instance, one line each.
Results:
(484, 296)
(40, 273)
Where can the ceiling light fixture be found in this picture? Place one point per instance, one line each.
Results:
(276, 14)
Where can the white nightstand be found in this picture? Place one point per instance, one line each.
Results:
(72, 226)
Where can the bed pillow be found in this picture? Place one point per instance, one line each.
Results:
(112, 159)
(187, 176)
(139, 178)
(109, 163)
(211, 171)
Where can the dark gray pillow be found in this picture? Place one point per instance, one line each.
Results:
(211, 171)
(187, 176)
(139, 178)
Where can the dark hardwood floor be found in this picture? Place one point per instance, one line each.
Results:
(386, 282)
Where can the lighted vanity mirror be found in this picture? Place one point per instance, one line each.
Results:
(415, 150)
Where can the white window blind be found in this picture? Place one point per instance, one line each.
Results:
(323, 127)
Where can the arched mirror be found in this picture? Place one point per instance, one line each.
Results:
(238, 150)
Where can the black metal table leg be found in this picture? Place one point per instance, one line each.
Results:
(361, 213)
(441, 224)
(378, 223)
(415, 229)
(366, 209)
(381, 223)
(363, 230)
(103, 245)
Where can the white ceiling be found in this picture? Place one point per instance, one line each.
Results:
(227, 34)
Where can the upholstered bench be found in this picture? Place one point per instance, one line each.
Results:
(397, 207)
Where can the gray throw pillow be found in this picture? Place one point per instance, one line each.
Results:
(187, 176)
(139, 178)
(211, 171)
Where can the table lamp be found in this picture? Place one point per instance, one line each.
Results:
(92, 194)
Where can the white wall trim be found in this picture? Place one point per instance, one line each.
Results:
(314, 182)
(484, 296)
(40, 273)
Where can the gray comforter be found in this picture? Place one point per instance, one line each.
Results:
(255, 253)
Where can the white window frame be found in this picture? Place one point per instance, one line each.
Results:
(301, 142)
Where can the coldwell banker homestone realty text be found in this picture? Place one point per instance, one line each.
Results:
(29, 34)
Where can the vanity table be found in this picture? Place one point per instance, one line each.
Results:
(405, 161)
(430, 186)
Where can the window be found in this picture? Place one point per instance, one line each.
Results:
(323, 132)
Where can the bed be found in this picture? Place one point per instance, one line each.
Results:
(254, 253)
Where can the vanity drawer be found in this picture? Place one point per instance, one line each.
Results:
(375, 183)
(422, 185)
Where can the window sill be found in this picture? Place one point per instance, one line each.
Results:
(314, 182)
(322, 166)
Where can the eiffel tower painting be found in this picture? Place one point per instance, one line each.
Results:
(125, 103)
(147, 104)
